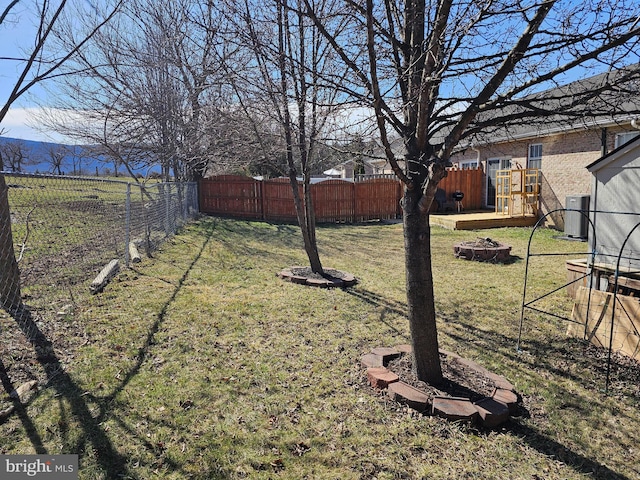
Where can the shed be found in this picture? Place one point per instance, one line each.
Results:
(615, 205)
(608, 314)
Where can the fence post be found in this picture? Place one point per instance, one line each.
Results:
(167, 196)
(127, 229)
(354, 205)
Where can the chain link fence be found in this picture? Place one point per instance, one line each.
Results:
(66, 229)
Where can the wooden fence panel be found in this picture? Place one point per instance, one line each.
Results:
(231, 195)
(377, 199)
(334, 201)
(468, 181)
(278, 200)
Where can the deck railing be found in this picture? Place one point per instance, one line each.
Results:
(518, 192)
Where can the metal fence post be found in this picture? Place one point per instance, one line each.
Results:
(127, 229)
(167, 193)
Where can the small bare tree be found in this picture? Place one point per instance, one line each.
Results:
(290, 57)
(54, 156)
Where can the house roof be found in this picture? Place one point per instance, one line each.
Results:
(607, 99)
(613, 155)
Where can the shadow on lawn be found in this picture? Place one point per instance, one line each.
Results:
(552, 449)
(377, 300)
(112, 463)
(110, 460)
(554, 358)
(551, 359)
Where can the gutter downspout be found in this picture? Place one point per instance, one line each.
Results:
(478, 166)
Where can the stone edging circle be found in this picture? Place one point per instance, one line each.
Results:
(488, 412)
(300, 275)
(467, 251)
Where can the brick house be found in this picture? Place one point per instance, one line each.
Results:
(373, 162)
(560, 146)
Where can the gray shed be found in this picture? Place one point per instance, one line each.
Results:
(616, 188)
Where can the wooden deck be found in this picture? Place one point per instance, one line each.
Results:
(479, 220)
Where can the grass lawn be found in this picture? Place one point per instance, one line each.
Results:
(200, 363)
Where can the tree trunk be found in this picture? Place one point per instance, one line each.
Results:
(308, 230)
(419, 279)
(10, 298)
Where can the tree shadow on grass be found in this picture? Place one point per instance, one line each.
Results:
(21, 411)
(143, 351)
(548, 358)
(555, 450)
(379, 301)
(504, 345)
(112, 463)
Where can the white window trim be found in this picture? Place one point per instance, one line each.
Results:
(505, 163)
(530, 157)
(466, 164)
(624, 137)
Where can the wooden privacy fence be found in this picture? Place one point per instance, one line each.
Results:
(333, 200)
(272, 200)
(468, 181)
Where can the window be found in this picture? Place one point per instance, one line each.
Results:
(468, 164)
(622, 138)
(534, 160)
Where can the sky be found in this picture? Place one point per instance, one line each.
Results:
(17, 32)
(14, 34)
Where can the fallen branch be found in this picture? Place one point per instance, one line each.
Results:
(107, 273)
(19, 395)
(134, 255)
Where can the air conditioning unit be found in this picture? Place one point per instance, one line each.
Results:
(576, 225)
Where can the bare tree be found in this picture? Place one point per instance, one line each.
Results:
(290, 57)
(14, 155)
(149, 85)
(54, 157)
(438, 73)
(40, 63)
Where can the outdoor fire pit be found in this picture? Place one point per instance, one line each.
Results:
(483, 250)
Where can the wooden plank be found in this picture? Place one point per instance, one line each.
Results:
(377, 199)
(626, 321)
(478, 221)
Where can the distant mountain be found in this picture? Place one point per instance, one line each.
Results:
(73, 160)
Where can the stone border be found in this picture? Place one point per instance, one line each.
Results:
(499, 254)
(346, 279)
(488, 412)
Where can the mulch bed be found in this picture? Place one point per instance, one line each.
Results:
(459, 380)
(332, 278)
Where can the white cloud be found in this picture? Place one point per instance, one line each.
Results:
(22, 123)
